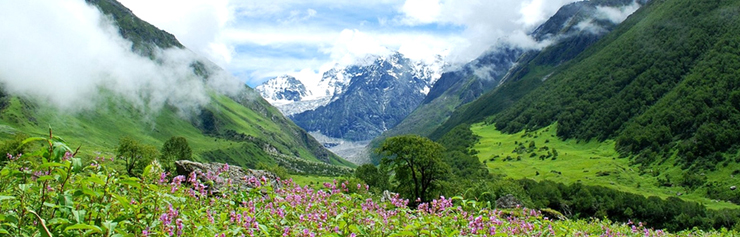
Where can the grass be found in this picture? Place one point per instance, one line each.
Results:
(590, 163)
(99, 130)
(312, 180)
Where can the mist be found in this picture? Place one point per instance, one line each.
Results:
(65, 53)
(617, 14)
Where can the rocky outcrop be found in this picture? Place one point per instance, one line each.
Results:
(508, 202)
(218, 176)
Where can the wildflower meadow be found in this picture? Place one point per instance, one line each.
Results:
(50, 192)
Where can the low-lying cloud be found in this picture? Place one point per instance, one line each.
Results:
(486, 23)
(617, 14)
(65, 53)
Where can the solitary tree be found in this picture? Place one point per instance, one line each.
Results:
(135, 155)
(130, 151)
(417, 163)
(176, 148)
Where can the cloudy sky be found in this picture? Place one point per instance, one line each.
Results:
(259, 39)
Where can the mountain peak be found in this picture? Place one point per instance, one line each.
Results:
(295, 95)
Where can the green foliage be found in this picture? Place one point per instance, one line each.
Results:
(417, 163)
(377, 178)
(135, 155)
(459, 154)
(594, 201)
(174, 149)
(693, 180)
(275, 169)
(14, 146)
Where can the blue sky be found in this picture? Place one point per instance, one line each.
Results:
(258, 40)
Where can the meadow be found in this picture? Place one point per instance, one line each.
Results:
(50, 192)
(590, 163)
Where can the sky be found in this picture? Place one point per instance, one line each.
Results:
(256, 40)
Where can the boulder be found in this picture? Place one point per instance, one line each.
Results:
(388, 196)
(219, 175)
(508, 202)
(733, 188)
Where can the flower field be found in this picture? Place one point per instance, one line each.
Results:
(52, 193)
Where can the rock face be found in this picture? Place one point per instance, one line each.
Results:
(378, 97)
(218, 176)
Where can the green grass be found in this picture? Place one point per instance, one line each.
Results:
(312, 180)
(99, 130)
(591, 163)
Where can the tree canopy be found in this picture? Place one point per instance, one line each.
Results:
(417, 163)
(176, 148)
(135, 155)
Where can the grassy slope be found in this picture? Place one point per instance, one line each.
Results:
(578, 162)
(99, 130)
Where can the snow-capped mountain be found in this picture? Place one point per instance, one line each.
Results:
(283, 90)
(378, 96)
(351, 105)
(295, 95)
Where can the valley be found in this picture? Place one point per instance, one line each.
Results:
(573, 161)
(249, 118)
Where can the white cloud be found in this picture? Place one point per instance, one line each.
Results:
(486, 22)
(421, 11)
(64, 52)
(352, 45)
(298, 16)
(590, 26)
(197, 24)
(464, 29)
(617, 14)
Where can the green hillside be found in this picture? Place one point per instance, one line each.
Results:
(666, 53)
(242, 136)
(661, 90)
(241, 129)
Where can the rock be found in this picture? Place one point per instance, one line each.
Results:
(218, 175)
(508, 202)
(553, 214)
(733, 188)
(387, 196)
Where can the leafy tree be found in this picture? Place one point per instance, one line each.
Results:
(148, 154)
(417, 163)
(129, 150)
(174, 149)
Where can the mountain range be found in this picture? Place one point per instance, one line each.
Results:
(351, 105)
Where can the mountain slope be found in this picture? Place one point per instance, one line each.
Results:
(240, 128)
(663, 84)
(571, 30)
(534, 67)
